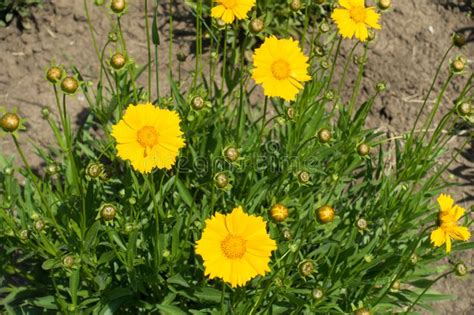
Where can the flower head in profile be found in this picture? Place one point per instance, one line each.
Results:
(447, 224)
(353, 18)
(281, 67)
(235, 247)
(149, 137)
(229, 10)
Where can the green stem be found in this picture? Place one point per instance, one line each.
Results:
(333, 66)
(130, 66)
(148, 47)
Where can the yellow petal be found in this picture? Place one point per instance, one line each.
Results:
(372, 18)
(448, 244)
(361, 32)
(438, 237)
(460, 233)
(345, 3)
(218, 11)
(458, 212)
(445, 202)
(357, 3)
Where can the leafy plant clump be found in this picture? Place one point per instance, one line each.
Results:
(211, 198)
(9, 9)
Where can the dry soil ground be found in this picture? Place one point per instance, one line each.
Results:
(415, 36)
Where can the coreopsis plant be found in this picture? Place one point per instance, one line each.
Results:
(252, 186)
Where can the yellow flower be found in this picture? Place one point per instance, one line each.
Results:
(229, 10)
(448, 227)
(354, 18)
(149, 137)
(280, 66)
(235, 247)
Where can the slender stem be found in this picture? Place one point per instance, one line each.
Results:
(157, 61)
(130, 66)
(333, 66)
(170, 52)
(148, 47)
(223, 312)
(426, 289)
(91, 30)
(355, 92)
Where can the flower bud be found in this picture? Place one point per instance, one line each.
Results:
(181, 57)
(118, 6)
(112, 36)
(303, 177)
(317, 294)
(197, 103)
(107, 211)
(464, 109)
(129, 228)
(295, 5)
(324, 64)
(287, 234)
(306, 267)
(220, 23)
(363, 311)
(45, 112)
(69, 85)
(24, 235)
(279, 212)
(39, 225)
(381, 87)
(363, 149)
(8, 171)
(458, 65)
(459, 39)
(368, 258)
(361, 224)
(319, 51)
(319, 1)
(384, 4)
(231, 154)
(214, 56)
(10, 122)
(460, 269)
(68, 261)
(325, 214)
(371, 35)
(278, 282)
(413, 259)
(256, 26)
(99, 2)
(221, 180)
(94, 169)
(324, 27)
(324, 135)
(395, 286)
(290, 112)
(132, 200)
(329, 95)
(54, 74)
(52, 169)
(118, 60)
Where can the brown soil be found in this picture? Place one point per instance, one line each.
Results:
(406, 53)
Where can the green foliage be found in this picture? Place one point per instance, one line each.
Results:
(143, 261)
(9, 9)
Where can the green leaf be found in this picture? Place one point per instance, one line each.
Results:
(184, 192)
(170, 310)
(155, 35)
(179, 280)
(91, 235)
(49, 264)
(74, 285)
(208, 294)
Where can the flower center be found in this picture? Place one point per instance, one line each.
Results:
(234, 246)
(147, 137)
(358, 14)
(281, 69)
(447, 222)
(229, 4)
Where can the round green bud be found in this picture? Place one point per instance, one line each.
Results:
(94, 169)
(363, 149)
(221, 180)
(458, 65)
(98, 2)
(197, 103)
(24, 235)
(287, 234)
(303, 177)
(231, 154)
(317, 294)
(52, 169)
(118, 60)
(181, 57)
(363, 311)
(306, 267)
(45, 112)
(10, 122)
(361, 224)
(295, 5)
(459, 39)
(324, 135)
(465, 109)
(39, 225)
(413, 259)
(324, 27)
(256, 26)
(460, 269)
(290, 112)
(68, 261)
(112, 36)
(381, 87)
(108, 212)
(384, 4)
(54, 74)
(118, 6)
(69, 85)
